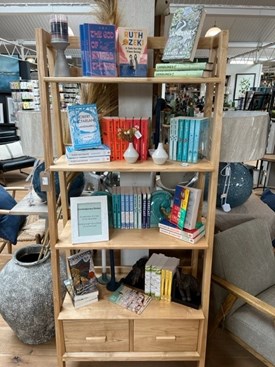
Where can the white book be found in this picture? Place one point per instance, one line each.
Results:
(99, 159)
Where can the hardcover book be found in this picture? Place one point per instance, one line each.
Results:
(179, 206)
(84, 126)
(101, 150)
(192, 208)
(200, 143)
(82, 271)
(132, 52)
(184, 34)
(188, 233)
(183, 238)
(100, 52)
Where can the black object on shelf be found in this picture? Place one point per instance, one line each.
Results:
(113, 284)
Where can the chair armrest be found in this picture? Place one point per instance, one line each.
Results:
(4, 211)
(14, 189)
(247, 297)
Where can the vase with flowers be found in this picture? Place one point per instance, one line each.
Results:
(130, 154)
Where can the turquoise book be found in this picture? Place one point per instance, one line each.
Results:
(200, 143)
(184, 33)
(181, 125)
(84, 126)
(185, 140)
(191, 140)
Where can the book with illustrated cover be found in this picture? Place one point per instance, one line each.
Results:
(82, 271)
(84, 126)
(200, 141)
(131, 299)
(179, 205)
(132, 52)
(81, 299)
(184, 33)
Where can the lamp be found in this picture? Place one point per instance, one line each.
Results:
(244, 139)
(212, 31)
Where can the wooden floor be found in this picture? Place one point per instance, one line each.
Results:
(222, 351)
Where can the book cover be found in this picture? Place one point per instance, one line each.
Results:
(185, 140)
(200, 142)
(179, 205)
(132, 52)
(84, 126)
(185, 73)
(101, 55)
(131, 299)
(181, 127)
(148, 271)
(183, 238)
(84, 302)
(82, 271)
(171, 267)
(184, 33)
(101, 150)
(188, 233)
(91, 294)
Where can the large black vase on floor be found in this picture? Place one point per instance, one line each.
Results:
(26, 301)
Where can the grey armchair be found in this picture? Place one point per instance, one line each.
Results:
(243, 288)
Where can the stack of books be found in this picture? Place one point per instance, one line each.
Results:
(188, 69)
(187, 235)
(188, 138)
(82, 283)
(84, 126)
(159, 273)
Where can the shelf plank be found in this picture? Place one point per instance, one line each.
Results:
(131, 239)
(140, 166)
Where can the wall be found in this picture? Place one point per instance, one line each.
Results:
(233, 69)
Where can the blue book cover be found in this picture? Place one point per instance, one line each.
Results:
(191, 141)
(185, 140)
(132, 52)
(101, 58)
(200, 139)
(101, 150)
(84, 126)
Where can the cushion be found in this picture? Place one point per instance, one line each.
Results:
(254, 328)
(9, 224)
(244, 256)
(268, 197)
(11, 150)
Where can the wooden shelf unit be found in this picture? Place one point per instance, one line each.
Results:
(102, 331)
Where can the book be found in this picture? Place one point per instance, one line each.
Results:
(186, 73)
(100, 56)
(101, 150)
(81, 299)
(82, 271)
(179, 205)
(148, 271)
(188, 233)
(131, 299)
(99, 159)
(170, 270)
(183, 238)
(191, 140)
(84, 126)
(184, 66)
(200, 141)
(132, 52)
(192, 211)
(184, 33)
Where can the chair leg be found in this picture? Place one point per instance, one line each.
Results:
(9, 247)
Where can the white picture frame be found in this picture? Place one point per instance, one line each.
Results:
(1, 113)
(12, 118)
(89, 219)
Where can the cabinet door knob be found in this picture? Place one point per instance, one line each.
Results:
(172, 337)
(96, 338)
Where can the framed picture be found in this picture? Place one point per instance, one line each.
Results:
(11, 110)
(243, 83)
(89, 218)
(1, 113)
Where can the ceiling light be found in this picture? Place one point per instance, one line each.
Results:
(212, 31)
(70, 31)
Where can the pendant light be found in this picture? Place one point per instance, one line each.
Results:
(213, 31)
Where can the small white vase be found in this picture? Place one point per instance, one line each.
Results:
(130, 155)
(160, 155)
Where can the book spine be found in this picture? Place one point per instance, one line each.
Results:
(183, 66)
(183, 207)
(163, 281)
(180, 237)
(135, 209)
(88, 154)
(186, 73)
(144, 207)
(192, 208)
(123, 208)
(131, 208)
(148, 206)
(191, 141)
(114, 206)
(181, 124)
(183, 232)
(144, 138)
(82, 48)
(185, 140)
(139, 199)
(99, 159)
(127, 207)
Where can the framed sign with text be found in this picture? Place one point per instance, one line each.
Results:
(89, 218)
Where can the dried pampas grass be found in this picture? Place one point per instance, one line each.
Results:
(105, 96)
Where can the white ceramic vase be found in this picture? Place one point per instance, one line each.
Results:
(130, 155)
(160, 155)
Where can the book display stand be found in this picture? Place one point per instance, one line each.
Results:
(103, 331)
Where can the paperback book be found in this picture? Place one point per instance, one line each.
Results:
(99, 159)
(182, 237)
(82, 272)
(132, 52)
(188, 233)
(179, 205)
(84, 126)
(184, 66)
(184, 34)
(131, 299)
(101, 150)
(185, 73)
(81, 299)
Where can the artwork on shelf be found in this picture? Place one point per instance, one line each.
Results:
(9, 71)
(89, 218)
(1, 113)
(11, 110)
(243, 83)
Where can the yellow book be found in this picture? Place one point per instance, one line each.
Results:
(173, 264)
(163, 276)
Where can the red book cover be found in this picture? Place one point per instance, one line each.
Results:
(137, 141)
(106, 133)
(116, 140)
(144, 122)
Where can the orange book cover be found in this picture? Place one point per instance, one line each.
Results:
(106, 134)
(144, 122)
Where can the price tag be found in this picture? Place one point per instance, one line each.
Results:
(44, 181)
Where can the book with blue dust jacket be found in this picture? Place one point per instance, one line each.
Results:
(184, 34)
(84, 126)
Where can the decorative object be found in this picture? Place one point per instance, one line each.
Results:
(112, 285)
(11, 109)
(160, 206)
(243, 82)
(160, 155)
(89, 218)
(59, 40)
(130, 155)
(244, 139)
(213, 31)
(26, 301)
